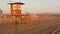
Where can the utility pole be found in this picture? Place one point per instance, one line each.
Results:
(16, 27)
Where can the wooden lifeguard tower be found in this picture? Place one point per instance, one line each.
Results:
(15, 9)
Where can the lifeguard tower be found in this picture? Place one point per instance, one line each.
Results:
(15, 9)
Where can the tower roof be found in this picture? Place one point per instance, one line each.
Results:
(16, 3)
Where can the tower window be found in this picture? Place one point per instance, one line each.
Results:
(14, 6)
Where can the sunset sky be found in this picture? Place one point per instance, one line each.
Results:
(34, 6)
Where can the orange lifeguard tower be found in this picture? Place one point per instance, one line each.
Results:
(15, 9)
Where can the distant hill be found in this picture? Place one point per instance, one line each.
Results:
(48, 14)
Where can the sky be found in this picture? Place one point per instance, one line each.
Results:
(33, 6)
